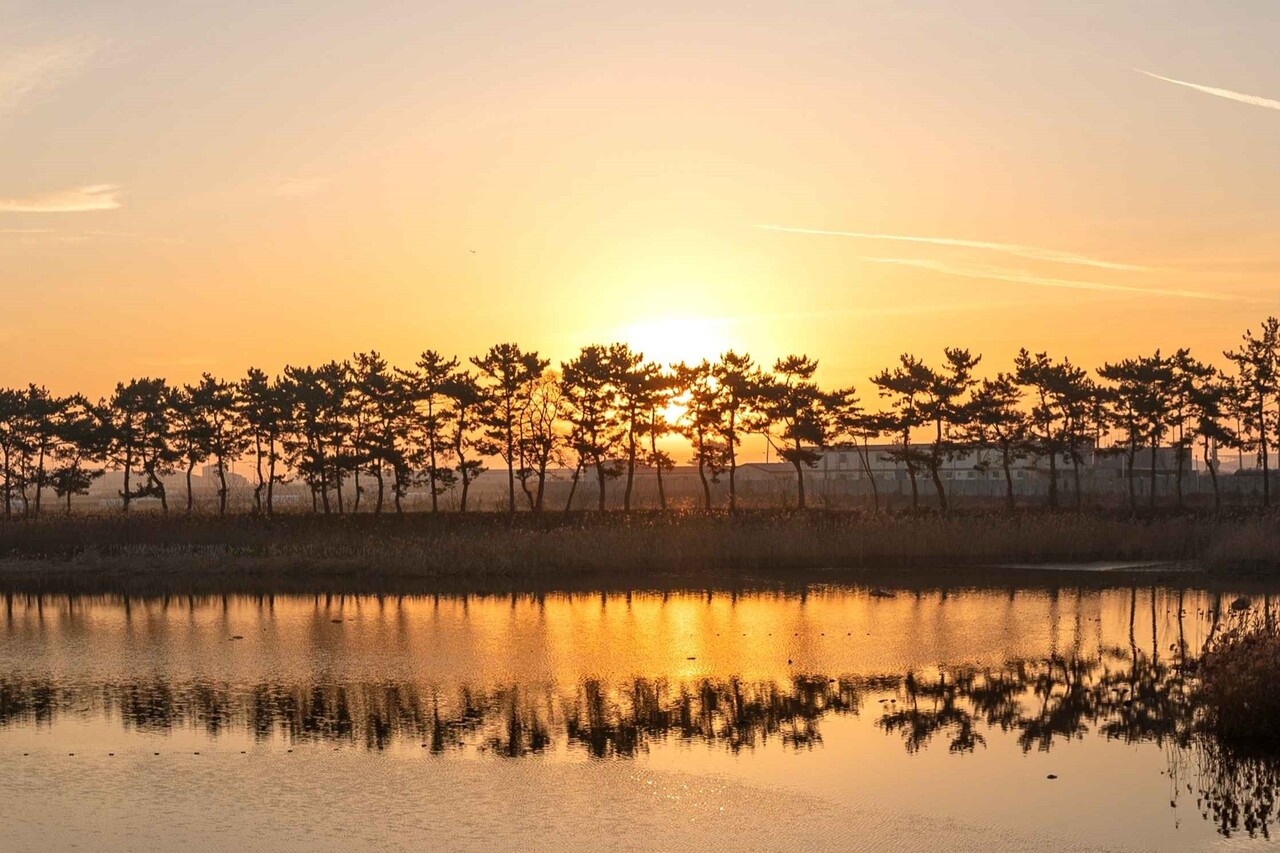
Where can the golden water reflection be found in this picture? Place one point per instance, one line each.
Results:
(618, 676)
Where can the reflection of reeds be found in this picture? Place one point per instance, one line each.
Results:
(295, 551)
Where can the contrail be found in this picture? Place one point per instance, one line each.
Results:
(1031, 252)
(1000, 274)
(1255, 100)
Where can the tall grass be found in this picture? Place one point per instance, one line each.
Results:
(639, 544)
(1240, 683)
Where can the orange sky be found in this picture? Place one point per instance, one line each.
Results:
(190, 187)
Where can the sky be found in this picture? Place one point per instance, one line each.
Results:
(192, 186)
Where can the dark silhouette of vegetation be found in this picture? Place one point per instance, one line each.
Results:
(360, 434)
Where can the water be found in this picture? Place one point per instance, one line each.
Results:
(836, 719)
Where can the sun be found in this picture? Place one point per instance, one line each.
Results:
(669, 340)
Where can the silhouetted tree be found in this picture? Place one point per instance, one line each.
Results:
(430, 382)
(741, 382)
(1257, 362)
(11, 410)
(1209, 404)
(1059, 392)
(1189, 375)
(700, 421)
(996, 421)
(659, 390)
(468, 403)
(80, 431)
(631, 384)
(141, 438)
(507, 374)
(1126, 407)
(906, 388)
(265, 409)
(40, 415)
(189, 437)
(796, 408)
(540, 441)
(590, 394)
(386, 406)
(853, 422)
(944, 408)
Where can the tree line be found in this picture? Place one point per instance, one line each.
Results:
(361, 430)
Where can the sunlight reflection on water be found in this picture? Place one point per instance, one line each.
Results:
(835, 719)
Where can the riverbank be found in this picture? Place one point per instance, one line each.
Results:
(493, 552)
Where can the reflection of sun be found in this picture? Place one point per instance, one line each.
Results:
(671, 339)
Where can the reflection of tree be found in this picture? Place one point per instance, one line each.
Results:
(1122, 693)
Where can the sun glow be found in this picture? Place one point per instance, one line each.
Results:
(668, 340)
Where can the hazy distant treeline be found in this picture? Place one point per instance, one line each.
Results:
(438, 424)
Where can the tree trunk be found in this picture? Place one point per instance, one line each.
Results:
(706, 487)
(1131, 459)
(935, 463)
(1177, 449)
(257, 465)
(911, 468)
(8, 494)
(377, 473)
(1213, 477)
(937, 484)
(573, 486)
(190, 467)
(124, 494)
(39, 478)
(1266, 471)
(222, 486)
(1006, 464)
(511, 471)
(871, 477)
(542, 484)
(631, 462)
(271, 477)
(657, 463)
(1151, 497)
(1053, 479)
(799, 466)
(431, 449)
(600, 480)
(733, 461)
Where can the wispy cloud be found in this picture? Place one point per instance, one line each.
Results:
(1254, 100)
(1029, 252)
(27, 72)
(1019, 277)
(75, 200)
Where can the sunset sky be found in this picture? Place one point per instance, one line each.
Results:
(190, 186)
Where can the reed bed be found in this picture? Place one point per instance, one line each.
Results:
(1240, 683)
(622, 546)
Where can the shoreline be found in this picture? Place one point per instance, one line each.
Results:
(498, 554)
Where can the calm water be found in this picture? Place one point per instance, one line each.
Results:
(840, 719)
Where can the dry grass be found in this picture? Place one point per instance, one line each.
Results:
(1240, 683)
(554, 548)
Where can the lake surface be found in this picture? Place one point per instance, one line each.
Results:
(834, 719)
